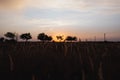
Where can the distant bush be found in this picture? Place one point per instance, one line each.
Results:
(70, 38)
(2, 39)
(26, 36)
(10, 35)
(44, 37)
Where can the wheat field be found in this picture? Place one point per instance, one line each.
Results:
(60, 61)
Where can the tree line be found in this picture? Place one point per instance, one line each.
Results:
(12, 37)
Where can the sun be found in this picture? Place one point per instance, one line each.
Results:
(59, 37)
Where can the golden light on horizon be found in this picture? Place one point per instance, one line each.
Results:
(55, 35)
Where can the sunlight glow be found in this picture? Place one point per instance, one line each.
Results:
(59, 34)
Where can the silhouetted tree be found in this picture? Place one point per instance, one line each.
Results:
(60, 38)
(49, 38)
(2, 39)
(43, 37)
(26, 36)
(70, 38)
(10, 35)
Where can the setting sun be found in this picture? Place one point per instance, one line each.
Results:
(57, 36)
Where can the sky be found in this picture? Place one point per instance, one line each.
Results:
(82, 18)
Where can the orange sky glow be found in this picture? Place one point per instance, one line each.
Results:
(84, 19)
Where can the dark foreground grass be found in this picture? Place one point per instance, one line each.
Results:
(60, 61)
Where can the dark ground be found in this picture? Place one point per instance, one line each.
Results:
(60, 61)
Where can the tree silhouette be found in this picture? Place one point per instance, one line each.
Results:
(43, 37)
(2, 39)
(49, 38)
(26, 36)
(10, 35)
(70, 38)
(60, 38)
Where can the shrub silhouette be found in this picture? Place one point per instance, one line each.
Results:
(2, 39)
(10, 35)
(26, 36)
(44, 37)
(60, 38)
(70, 38)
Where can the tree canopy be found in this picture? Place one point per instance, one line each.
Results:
(2, 39)
(26, 36)
(44, 37)
(13, 37)
(60, 38)
(70, 38)
(10, 35)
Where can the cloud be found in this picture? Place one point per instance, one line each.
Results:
(79, 5)
(73, 3)
(51, 22)
(18, 22)
(59, 4)
(11, 4)
(108, 11)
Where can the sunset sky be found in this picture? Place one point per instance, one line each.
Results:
(82, 18)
